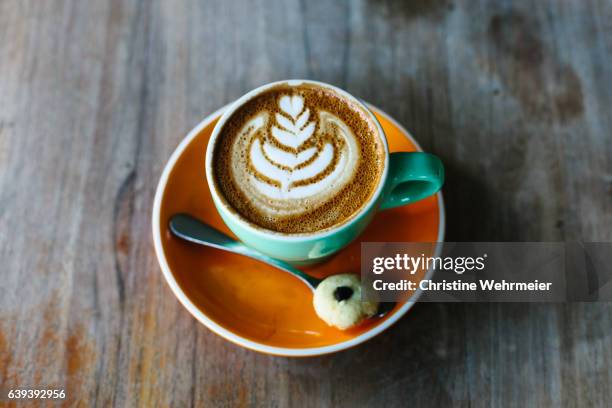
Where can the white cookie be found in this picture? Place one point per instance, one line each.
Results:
(337, 301)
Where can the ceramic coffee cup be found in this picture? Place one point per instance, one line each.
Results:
(406, 178)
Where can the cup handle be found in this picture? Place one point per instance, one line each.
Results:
(412, 177)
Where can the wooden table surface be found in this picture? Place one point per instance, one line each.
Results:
(515, 96)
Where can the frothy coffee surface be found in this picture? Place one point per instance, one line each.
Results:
(298, 159)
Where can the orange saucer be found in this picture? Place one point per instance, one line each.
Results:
(250, 303)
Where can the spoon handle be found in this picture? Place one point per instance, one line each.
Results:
(193, 230)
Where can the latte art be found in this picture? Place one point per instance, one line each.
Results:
(298, 159)
(288, 160)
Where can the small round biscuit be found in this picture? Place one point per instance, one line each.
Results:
(337, 301)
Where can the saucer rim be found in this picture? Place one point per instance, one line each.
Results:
(228, 334)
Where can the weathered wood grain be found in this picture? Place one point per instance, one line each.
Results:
(95, 95)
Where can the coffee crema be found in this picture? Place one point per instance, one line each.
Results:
(298, 159)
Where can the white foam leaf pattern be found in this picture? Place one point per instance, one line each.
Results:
(291, 139)
(260, 162)
(284, 122)
(287, 178)
(301, 121)
(323, 160)
(281, 161)
(288, 159)
(292, 105)
(325, 184)
(307, 190)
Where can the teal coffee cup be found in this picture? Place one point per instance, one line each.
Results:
(406, 177)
